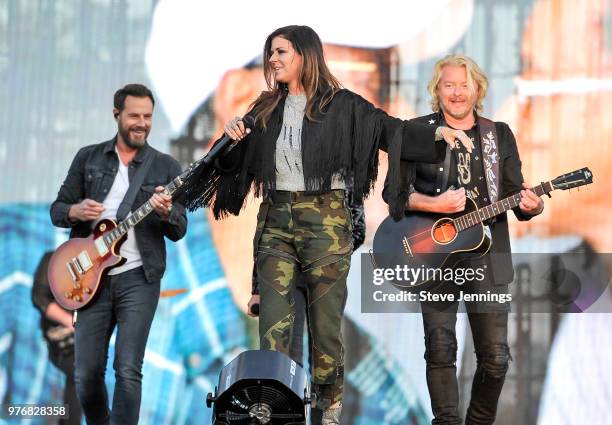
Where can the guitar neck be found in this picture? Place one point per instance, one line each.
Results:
(479, 216)
(143, 211)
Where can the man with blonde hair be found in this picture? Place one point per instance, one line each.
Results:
(490, 172)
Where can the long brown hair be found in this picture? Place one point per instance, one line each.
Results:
(318, 82)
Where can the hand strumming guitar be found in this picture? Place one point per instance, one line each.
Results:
(86, 210)
(451, 201)
(162, 203)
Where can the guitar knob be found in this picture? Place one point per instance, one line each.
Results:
(86, 290)
(77, 298)
(67, 295)
(76, 286)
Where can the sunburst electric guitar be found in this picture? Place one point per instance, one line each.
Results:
(78, 265)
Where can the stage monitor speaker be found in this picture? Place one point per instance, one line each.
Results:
(261, 387)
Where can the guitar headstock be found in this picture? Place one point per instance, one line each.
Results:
(574, 179)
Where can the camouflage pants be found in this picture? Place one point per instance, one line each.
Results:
(305, 237)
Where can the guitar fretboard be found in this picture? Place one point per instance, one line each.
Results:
(476, 217)
(137, 216)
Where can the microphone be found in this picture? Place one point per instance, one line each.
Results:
(255, 309)
(195, 181)
(227, 142)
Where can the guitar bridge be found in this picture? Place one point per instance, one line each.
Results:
(407, 246)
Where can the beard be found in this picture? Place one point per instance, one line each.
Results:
(133, 143)
(459, 114)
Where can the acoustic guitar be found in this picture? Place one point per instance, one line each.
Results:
(429, 241)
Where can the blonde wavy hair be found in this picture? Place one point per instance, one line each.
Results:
(476, 79)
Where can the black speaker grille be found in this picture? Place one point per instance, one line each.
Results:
(283, 411)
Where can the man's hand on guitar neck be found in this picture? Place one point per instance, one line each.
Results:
(531, 204)
(86, 210)
(162, 203)
(451, 201)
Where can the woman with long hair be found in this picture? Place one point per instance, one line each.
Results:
(310, 139)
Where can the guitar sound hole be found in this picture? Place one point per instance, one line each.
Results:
(444, 231)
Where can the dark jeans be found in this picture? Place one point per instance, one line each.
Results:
(490, 333)
(128, 302)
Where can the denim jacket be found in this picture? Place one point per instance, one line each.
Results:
(92, 174)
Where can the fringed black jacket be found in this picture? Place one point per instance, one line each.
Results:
(342, 139)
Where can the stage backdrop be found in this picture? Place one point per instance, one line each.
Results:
(549, 64)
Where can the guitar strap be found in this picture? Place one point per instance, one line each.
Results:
(490, 156)
(128, 200)
(442, 178)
